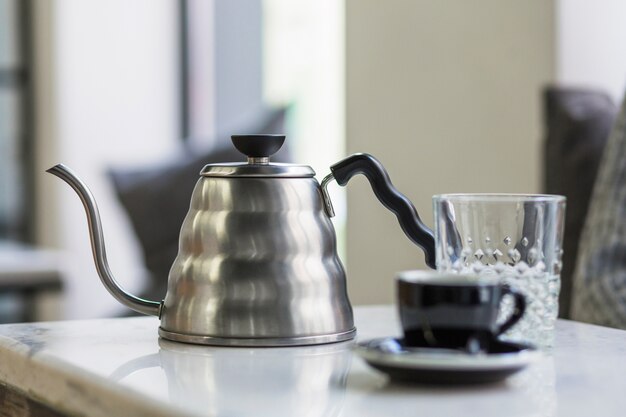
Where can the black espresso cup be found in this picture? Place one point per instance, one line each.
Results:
(453, 310)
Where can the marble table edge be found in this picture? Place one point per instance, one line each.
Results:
(59, 385)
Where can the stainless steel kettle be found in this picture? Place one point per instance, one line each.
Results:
(257, 262)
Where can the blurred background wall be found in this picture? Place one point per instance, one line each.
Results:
(590, 40)
(107, 94)
(446, 94)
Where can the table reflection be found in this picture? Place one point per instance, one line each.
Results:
(292, 381)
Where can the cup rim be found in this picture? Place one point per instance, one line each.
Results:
(440, 278)
(499, 197)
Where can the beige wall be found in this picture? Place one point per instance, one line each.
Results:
(447, 96)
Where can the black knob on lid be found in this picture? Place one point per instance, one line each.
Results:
(258, 146)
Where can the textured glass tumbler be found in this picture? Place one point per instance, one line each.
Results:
(516, 237)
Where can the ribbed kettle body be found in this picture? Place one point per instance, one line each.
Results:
(257, 259)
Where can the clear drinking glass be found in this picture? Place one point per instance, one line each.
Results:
(516, 237)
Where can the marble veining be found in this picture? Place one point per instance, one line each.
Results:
(120, 367)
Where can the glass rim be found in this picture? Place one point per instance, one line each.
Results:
(499, 198)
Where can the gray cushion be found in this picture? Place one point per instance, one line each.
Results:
(578, 122)
(599, 295)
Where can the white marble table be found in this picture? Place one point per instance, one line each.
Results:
(119, 367)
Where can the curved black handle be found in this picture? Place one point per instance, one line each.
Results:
(390, 197)
(518, 311)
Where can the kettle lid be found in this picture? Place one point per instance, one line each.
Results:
(258, 149)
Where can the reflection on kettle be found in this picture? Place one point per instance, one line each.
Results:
(257, 262)
(232, 381)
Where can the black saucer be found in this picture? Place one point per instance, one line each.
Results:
(431, 365)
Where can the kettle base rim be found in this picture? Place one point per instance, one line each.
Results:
(258, 341)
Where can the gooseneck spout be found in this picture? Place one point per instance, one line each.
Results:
(97, 244)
